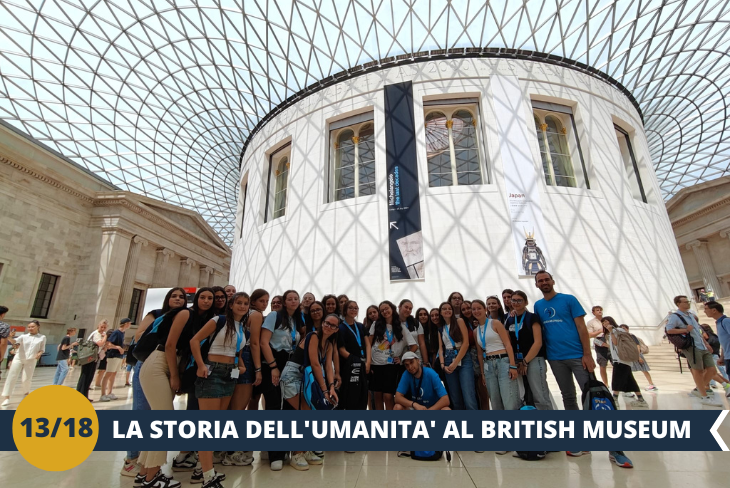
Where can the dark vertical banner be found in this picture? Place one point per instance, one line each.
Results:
(404, 208)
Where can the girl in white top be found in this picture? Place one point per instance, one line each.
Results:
(457, 360)
(414, 327)
(30, 347)
(388, 341)
(496, 358)
(217, 375)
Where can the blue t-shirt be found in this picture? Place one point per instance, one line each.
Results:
(282, 339)
(723, 333)
(558, 319)
(116, 338)
(431, 387)
(674, 322)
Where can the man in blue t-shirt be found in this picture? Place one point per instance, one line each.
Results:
(422, 384)
(566, 338)
(716, 311)
(114, 353)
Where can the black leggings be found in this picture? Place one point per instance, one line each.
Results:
(272, 394)
(86, 378)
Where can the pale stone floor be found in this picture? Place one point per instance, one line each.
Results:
(380, 468)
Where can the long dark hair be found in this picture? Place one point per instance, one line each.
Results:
(430, 332)
(611, 321)
(366, 321)
(195, 312)
(230, 320)
(411, 322)
(451, 297)
(166, 305)
(324, 303)
(500, 312)
(332, 338)
(282, 316)
(381, 326)
(216, 289)
(255, 295)
(309, 321)
(454, 330)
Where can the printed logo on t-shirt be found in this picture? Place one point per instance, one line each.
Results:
(549, 312)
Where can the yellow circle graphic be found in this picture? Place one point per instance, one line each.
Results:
(55, 428)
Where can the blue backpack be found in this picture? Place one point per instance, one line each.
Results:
(312, 392)
(425, 455)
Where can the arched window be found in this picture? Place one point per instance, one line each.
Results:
(282, 175)
(353, 158)
(438, 152)
(559, 145)
(452, 146)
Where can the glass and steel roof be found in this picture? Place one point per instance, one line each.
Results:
(160, 97)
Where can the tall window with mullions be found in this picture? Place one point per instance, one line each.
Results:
(352, 156)
(44, 296)
(633, 174)
(452, 143)
(277, 183)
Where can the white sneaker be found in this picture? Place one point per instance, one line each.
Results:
(112, 396)
(502, 452)
(130, 468)
(277, 465)
(105, 398)
(6, 402)
(299, 462)
(711, 402)
(238, 458)
(319, 453)
(639, 403)
(312, 458)
(218, 456)
(727, 389)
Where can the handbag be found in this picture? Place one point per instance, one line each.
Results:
(88, 352)
(312, 393)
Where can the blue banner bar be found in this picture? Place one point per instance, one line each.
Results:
(665, 430)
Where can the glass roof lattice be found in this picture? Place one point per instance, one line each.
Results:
(160, 97)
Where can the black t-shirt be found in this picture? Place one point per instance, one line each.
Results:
(116, 338)
(347, 339)
(63, 355)
(527, 338)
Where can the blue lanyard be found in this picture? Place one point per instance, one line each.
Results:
(388, 337)
(239, 339)
(518, 326)
(356, 333)
(448, 333)
(483, 335)
(293, 338)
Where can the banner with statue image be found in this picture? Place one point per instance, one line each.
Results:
(521, 176)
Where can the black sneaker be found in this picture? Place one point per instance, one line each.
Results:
(214, 483)
(161, 481)
(139, 480)
(197, 476)
(187, 464)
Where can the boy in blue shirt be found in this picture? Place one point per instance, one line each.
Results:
(424, 386)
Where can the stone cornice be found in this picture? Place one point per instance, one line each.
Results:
(125, 202)
(700, 212)
(47, 179)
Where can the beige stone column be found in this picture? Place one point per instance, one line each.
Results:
(184, 277)
(163, 256)
(707, 269)
(130, 272)
(204, 275)
(211, 278)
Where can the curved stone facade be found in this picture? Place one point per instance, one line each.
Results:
(606, 240)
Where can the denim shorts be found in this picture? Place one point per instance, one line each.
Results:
(218, 384)
(291, 380)
(249, 376)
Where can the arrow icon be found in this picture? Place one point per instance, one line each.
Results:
(393, 226)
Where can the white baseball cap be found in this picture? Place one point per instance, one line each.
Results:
(409, 355)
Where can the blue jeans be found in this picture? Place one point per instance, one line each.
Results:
(139, 401)
(61, 372)
(462, 391)
(537, 379)
(504, 393)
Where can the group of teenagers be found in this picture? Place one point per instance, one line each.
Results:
(225, 353)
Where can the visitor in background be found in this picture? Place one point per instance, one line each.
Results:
(4, 333)
(507, 300)
(230, 291)
(596, 332)
(114, 352)
(64, 348)
(714, 342)
(641, 365)
(30, 347)
(716, 311)
(331, 305)
(98, 337)
(622, 379)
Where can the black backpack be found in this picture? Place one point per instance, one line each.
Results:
(531, 455)
(155, 334)
(596, 396)
(425, 455)
(188, 373)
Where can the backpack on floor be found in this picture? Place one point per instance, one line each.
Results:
(596, 396)
(531, 455)
(425, 455)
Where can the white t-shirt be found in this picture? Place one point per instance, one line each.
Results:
(595, 325)
(381, 349)
(95, 337)
(29, 345)
(414, 334)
